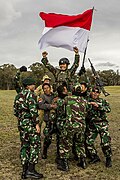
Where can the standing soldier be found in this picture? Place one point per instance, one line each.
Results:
(39, 91)
(76, 108)
(98, 124)
(25, 109)
(62, 75)
(45, 103)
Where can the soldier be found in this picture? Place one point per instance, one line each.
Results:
(25, 109)
(75, 110)
(39, 90)
(62, 75)
(86, 95)
(45, 103)
(98, 124)
(18, 86)
(61, 118)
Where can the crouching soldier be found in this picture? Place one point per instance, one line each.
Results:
(74, 126)
(25, 109)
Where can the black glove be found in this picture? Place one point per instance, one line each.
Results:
(23, 69)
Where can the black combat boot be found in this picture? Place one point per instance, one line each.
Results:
(32, 173)
(44, 155)
(94, 159)
(62, 164)
(25, 167)
(108, 162)
(82, 163)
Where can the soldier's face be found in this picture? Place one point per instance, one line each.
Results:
(95, 95)
(47, 90)
(83, 88)
(65, 91)
(63, 67)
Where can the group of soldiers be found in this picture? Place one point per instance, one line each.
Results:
(72, 111)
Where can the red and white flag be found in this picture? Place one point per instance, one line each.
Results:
(66, 31)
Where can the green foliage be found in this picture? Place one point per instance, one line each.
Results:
(38, 70)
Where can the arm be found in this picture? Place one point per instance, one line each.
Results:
(32, 105)
(76, 61)
(47, 64)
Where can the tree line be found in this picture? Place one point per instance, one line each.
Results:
(38, 70)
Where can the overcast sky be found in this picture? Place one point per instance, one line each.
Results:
(21, 28)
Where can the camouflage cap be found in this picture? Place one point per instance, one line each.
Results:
(28, 81)
(45, 77)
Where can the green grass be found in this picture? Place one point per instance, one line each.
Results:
(10, 166)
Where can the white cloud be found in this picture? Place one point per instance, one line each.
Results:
(7, 13)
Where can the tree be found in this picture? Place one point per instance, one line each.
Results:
(7, 72)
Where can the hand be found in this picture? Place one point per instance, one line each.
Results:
(75, 50)
(54, 106)
(94, 104)
(44, 54)
(38, 128)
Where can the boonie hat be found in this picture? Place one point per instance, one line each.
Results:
(45, 77)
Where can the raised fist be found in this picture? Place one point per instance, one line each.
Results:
(75, 50)
(44, 54)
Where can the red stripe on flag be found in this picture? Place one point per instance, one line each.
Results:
(81, 20)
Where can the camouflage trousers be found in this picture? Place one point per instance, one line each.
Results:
(48, 131)
(70, 131)
(30, 144)
(92, 131)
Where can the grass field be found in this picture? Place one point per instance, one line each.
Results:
(10, 166)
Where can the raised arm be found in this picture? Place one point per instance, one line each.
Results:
(76, 61)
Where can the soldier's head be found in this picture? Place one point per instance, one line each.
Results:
(46, 79)
(83, 86)
(46, 88)
(76, 90)
(29, 83)
(63, 63)
(95, 93)
(62, 91)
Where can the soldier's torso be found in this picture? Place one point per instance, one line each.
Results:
(76, 108)
(96, 114)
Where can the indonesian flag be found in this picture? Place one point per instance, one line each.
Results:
(66, 31)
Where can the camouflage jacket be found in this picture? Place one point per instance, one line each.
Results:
(74, 109)
(62, 76)
(98, 114)
(25, 108)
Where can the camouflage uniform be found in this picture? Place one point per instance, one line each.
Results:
(73, 127)
(25, 109)
(62, 76)
(97, 123)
